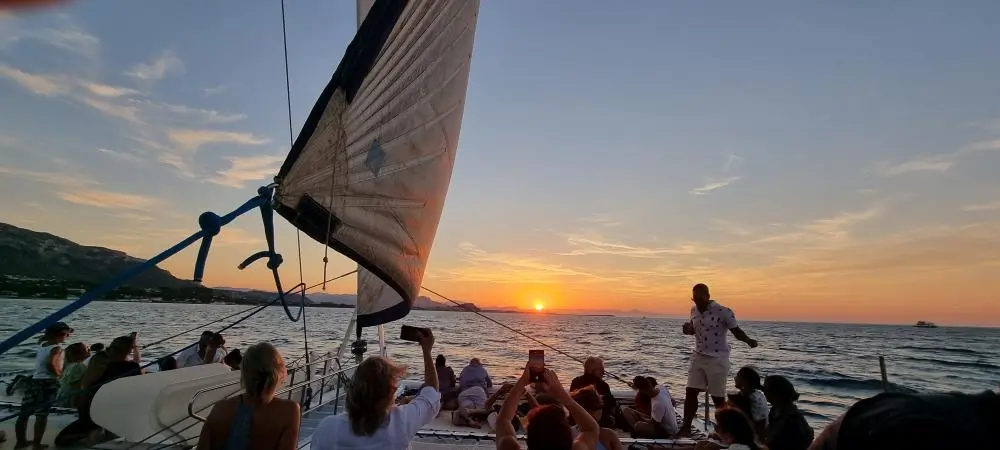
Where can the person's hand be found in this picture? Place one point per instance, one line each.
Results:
(426, 340)
(752, 343)
(552, 380)
(688, 328)
(525, 376)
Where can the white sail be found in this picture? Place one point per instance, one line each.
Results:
(369, 172)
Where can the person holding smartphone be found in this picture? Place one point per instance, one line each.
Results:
(372, 420)
(548, 427)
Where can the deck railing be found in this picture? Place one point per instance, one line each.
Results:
(305, 387)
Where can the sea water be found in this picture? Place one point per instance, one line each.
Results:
(831, 365)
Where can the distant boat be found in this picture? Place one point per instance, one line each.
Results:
(922, 324)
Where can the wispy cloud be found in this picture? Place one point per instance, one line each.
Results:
(602, 219)
(982, 207)
(220, 89)
(106, 90)
(82, 190)
(199, 115)
(126, 156)
(100, 198)
(53, 178)
(712, 185)
(161, 66)
(124, 112)
(594, 246)
(135, 217)
(65, 35)
(733, 162)
(482, 266)
(192, 139)
(71, 39)
(930, 164)
(247, 168)
(935, 163)
(47, 85)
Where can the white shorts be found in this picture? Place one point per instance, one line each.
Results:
(709, 373)
(472, 398)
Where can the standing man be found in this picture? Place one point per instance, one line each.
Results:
(709, 371)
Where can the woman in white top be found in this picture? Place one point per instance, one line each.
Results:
(43, 389)
(372, 420)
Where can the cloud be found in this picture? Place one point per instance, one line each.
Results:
(131, 216)
(71, 39)
(713, 185)
(482, 266)
(124, 156)
(982, 207)
(602, 219)
(248, 168)
(220, 89)
(82, 190)
(202, 115)
(67, 36)
(53, 178)
(733, 162)
(161, 66)
(936, 163)
(932, 164)
(191, 139)
(124, 112)
(107, 199)
(105, 90)
(590, 246)
(46, 85)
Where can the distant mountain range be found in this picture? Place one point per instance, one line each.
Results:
(33, 254)
(36, 264)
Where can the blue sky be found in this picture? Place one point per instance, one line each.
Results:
(809, 161)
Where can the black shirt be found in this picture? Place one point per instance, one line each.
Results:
(610, 404)
(788, 430)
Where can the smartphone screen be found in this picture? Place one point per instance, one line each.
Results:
(412, 334)
(536, 364)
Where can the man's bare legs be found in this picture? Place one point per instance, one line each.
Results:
(691, 396)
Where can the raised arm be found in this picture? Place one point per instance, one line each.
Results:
(589, 429)
(430, 370)
(506, 436)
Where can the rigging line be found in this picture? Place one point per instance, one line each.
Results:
(291, 142)
(199, 327)
(516, 331)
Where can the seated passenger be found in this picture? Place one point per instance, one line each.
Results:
(593, 375)
(590, 400)
(787, 428)
(255, 419)
(662, 422)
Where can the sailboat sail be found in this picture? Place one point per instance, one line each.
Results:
(369, 172)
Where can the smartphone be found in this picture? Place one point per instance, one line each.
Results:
(412, 334)
(536, 364)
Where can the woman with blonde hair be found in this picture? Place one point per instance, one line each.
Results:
(255, 419)
(372, 420)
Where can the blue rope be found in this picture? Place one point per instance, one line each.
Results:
(210, 223)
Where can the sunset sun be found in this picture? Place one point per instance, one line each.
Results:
(539, 306)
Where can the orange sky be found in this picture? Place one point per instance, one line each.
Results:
(858, 188)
